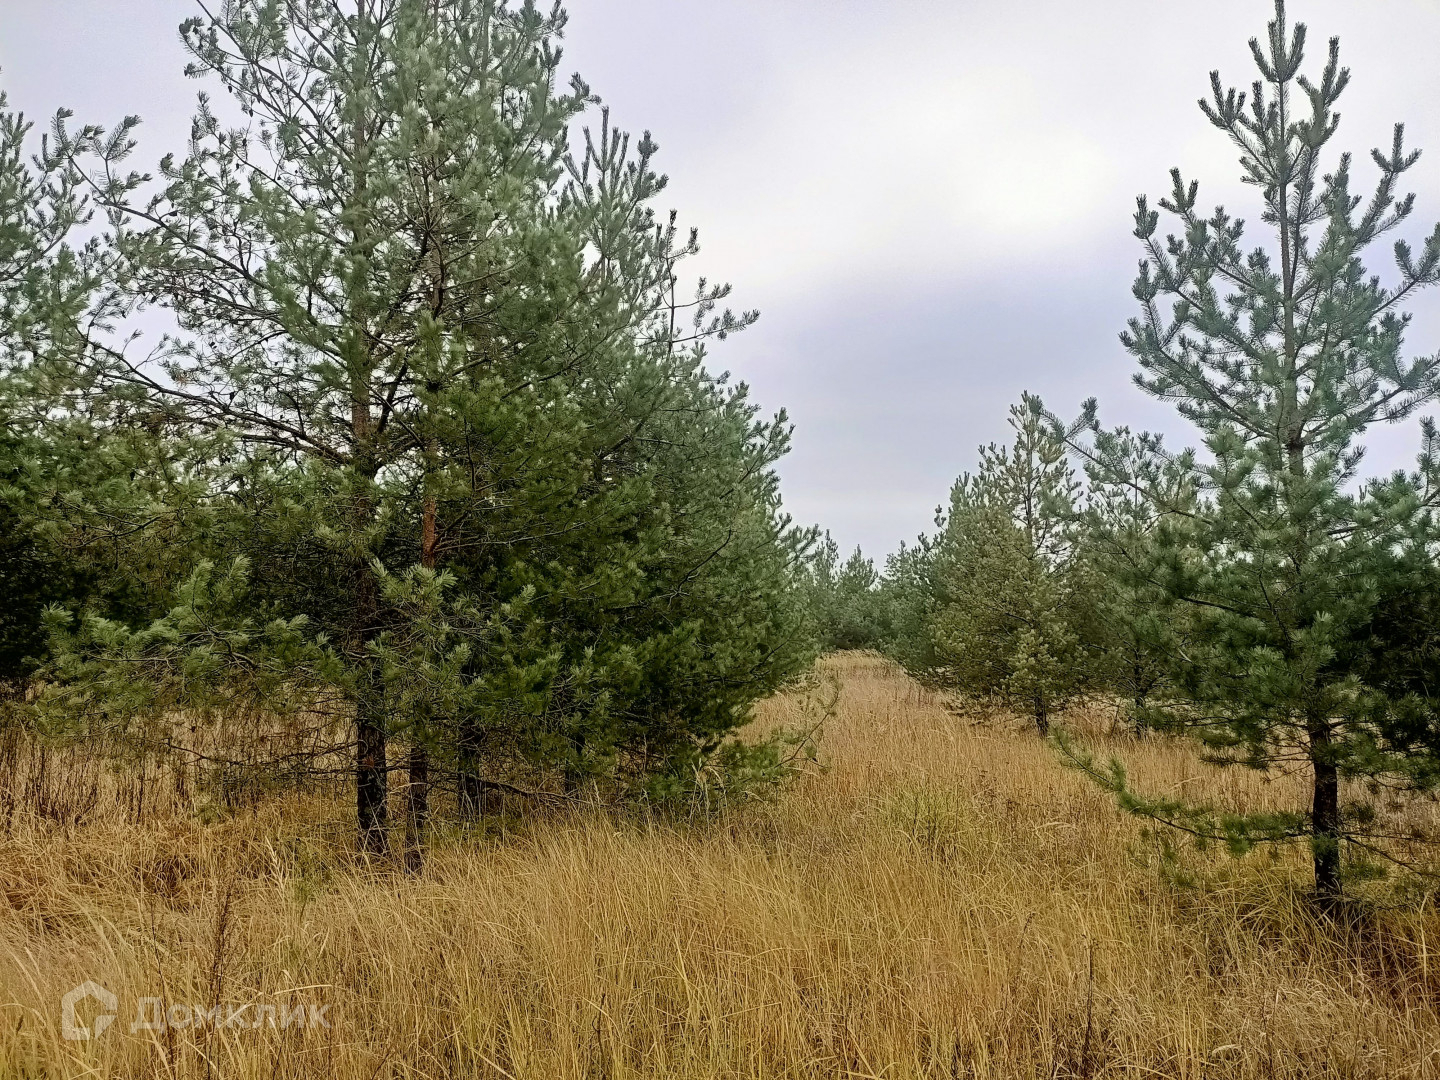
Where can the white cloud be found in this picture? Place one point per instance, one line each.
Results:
(901, 176)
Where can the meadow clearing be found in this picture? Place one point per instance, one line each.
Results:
(941, 898)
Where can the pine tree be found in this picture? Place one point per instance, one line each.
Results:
(1009, 588)
(845, 599)
(909, 594)
(1283, 356)
(54, 286)
(25, 241)
(1134, 636)
(455, 417)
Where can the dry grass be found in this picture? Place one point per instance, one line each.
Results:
(943, 901)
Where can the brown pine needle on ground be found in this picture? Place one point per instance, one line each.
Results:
(943, 900)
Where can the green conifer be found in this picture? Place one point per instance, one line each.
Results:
(451, 415)
(1283, 355)
(1010, 592)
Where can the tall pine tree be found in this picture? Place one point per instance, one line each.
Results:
(1283, 355)
(456, 418)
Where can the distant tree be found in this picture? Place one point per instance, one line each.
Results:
(1135, 637)
(846, 600)
(909, 596)
(1283, 355)
(1010, 588)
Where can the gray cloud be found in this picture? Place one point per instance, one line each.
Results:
(929, 199)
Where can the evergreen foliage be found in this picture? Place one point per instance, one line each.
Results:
(433, 405)
(909, 595)
(51, 292)
(847, 601)
(30, 231)
(1134, 636)
(1283, 355)
(1011, 587)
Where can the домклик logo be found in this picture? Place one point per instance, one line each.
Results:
(78, 1032)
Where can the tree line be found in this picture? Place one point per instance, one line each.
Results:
(1258, 592)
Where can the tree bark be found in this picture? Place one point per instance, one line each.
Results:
(1042, 718)
(417, 809)
(417, 789)
(370, 783)
(371, 765)
(1325, 820)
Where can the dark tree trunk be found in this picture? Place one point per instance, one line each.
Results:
(472, 795)
(1042, 717)
(417, 808)
(1325, 819)
(372, 769)
(371, 766)
(370, 783)
(417, 787)
(476, 800)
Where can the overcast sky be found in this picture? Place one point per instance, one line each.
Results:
(929, 200)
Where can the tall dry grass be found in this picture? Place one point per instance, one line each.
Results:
(943, 900)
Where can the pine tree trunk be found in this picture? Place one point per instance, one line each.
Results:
(372, 770)
(371, 752)
(1042, 717)
(417, 809)
(1325, 819)
(473, 800)
(417, 788)
(370, 783)
(371, 765)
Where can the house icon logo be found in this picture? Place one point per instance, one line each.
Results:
(77, 1032)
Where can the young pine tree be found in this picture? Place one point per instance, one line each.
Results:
(1283, 355)
(462, 426)
(30, 234)
(908, 595)
(845, 599)
(54, 451)
(1010, 589)
(1134, 636)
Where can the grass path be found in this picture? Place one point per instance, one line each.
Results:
(942, 900)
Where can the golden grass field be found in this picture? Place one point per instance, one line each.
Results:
(942, 899)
